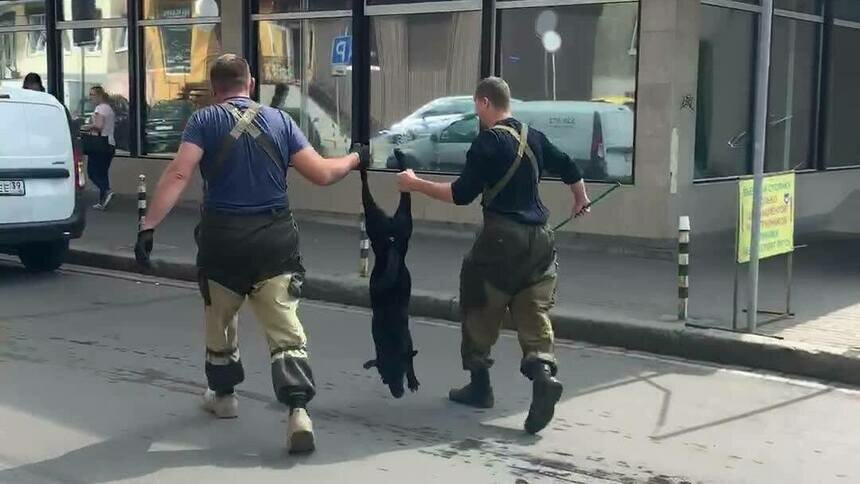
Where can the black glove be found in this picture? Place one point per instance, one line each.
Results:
(364, 158)
(143, 247)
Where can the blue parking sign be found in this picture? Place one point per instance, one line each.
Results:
(341, 51)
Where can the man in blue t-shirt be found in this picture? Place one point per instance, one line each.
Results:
(247, 239)
(511, 269)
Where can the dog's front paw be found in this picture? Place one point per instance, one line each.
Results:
(369, 364)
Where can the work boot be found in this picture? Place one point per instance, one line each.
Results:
(300, 432)
(546, 392)
(478, 393)
(222, 406)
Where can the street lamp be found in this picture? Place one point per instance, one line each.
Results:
(545, 29)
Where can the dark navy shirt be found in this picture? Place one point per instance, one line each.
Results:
(490, 157)
(248, 181)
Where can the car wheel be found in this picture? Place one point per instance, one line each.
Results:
(43, 256)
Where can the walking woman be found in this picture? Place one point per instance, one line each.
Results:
(101, 145)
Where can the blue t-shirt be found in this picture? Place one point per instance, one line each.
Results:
(248, 181)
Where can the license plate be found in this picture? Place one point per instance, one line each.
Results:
(12, 188)
(163, 128)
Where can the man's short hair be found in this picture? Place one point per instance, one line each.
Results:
(496, 90)
(230, 72)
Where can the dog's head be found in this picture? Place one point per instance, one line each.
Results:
(393, 362)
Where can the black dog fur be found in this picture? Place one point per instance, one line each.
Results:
(390, 289)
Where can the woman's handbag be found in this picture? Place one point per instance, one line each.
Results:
(93, 144)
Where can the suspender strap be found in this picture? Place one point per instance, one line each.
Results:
(245, 124)
(523, 149)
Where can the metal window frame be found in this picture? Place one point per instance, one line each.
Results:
(505, 5)
(848, 24)
(423, 7)
(733, 5)
(22, 28)
(163, 22)
(111, 23)
(313, 15)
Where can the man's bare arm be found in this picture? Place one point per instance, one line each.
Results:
(173, 182)
(323, 171)
(407, 181)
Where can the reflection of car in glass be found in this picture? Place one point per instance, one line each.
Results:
(429, 119)
(165, 123)
(598, 136)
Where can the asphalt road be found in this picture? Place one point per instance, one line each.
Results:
(100, 377)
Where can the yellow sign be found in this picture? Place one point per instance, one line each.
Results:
(777, 217)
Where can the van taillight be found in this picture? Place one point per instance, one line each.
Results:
(80, 180)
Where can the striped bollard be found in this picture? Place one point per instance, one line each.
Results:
(683, 268)
(364, 250)
(141, 201)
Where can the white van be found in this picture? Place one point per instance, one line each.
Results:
(40, 179)
(598, 136)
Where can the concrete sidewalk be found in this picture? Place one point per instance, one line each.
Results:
(603, 297)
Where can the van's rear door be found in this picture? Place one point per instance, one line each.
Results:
(37, 182)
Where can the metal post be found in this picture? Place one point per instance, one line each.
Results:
(363, 252)
(141, 201)
(683, 268)
(761, 105)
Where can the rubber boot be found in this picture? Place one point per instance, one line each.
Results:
(300, 433)
(546, 392)
(478, 393)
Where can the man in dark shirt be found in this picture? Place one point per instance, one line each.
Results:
(247, 238)
(512, 265)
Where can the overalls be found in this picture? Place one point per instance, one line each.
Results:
(510, 272)
(254, 257)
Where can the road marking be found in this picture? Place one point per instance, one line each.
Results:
(577, 346)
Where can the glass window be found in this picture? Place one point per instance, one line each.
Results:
(177, 59)
(792, 94)
(804, 6)
(399, 2)
(163, 9)
(574, 69)
(16, 60)
(843, 9)
(842, 146)
(423, 72)
(725, 92)
(296, 75)
(281, 6)
(93, 9)
(22, 12)
(91, 63)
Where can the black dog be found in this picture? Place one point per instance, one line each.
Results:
(390, 289)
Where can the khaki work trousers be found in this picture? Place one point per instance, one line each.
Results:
(273, 306)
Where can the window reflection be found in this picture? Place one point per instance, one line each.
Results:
(423, 71)
(574, 69)
(94, 57)
(165, 9)
(297, 76)
(93, 9)
(17, 59)
(177, 80)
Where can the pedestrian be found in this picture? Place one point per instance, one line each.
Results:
(33, 82)
(512, 265)
(100, 145)
(247, 238)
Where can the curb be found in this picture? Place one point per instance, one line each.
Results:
(664, 338)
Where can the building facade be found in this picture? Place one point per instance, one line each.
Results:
(655, 94)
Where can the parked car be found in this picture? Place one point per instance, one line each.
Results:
(428, 119)
(165, 122)
(598, 136)
(40, 179)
